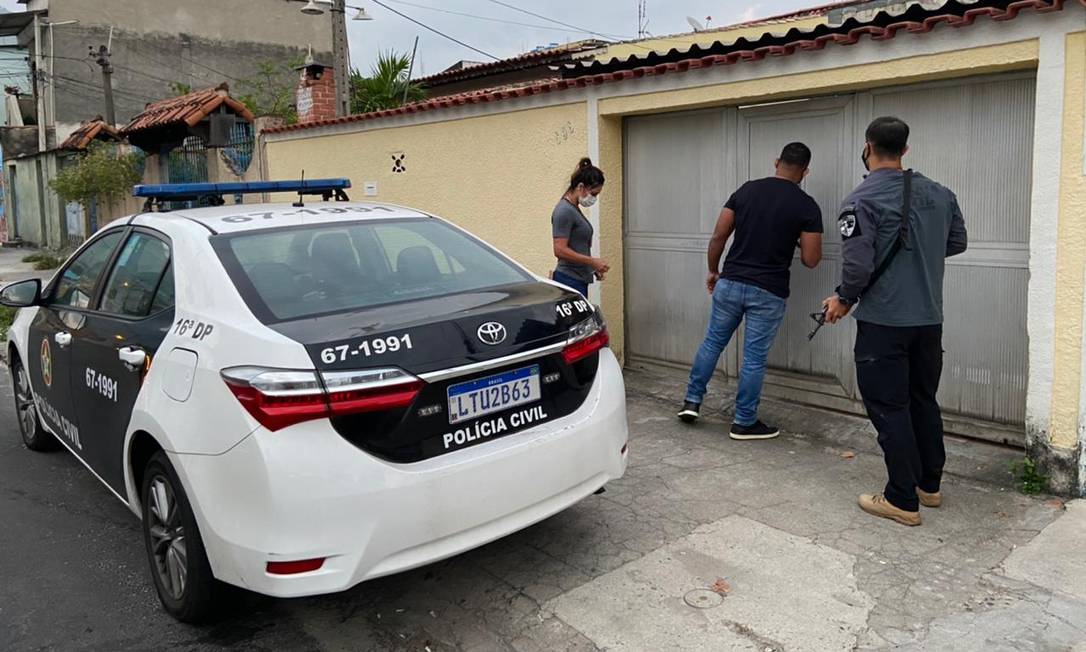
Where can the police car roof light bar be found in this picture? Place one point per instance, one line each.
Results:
(211, 194)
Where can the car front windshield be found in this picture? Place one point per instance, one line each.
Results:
(301, 272)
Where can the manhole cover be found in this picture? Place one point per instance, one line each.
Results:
(703, 599)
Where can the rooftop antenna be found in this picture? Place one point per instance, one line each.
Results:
(642, 19)
(300, 203)
(698, 27)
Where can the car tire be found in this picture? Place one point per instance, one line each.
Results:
(35, 436)
(179, 567)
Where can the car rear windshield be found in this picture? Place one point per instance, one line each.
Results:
(294, 273)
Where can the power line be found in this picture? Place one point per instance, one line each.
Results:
(217, 72)
(435, 31)
(47, 56)
(486, 18)
(143, 74)
(184, 60)
(556, 22)
(97, 89)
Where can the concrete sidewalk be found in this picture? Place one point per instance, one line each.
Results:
(774, 527)
(12, 267)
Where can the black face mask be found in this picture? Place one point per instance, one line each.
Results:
(864, 155)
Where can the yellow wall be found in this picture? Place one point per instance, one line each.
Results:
(498, 176)
(1071, 255)
(683, 42)
(976, 61)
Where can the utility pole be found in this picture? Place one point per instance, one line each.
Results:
(341, 54)
(102, 59)
(39, 91)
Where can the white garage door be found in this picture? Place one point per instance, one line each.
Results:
(975, 136)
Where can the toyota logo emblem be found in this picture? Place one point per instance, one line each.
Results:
(491, 333)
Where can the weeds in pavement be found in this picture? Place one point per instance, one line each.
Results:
(7, 315)
(1028, 478)
(47, 262)
(42, 261)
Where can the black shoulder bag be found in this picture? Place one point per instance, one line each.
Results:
(902, 242)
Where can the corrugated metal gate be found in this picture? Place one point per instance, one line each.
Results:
(975, 136)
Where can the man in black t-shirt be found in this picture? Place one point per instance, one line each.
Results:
(768, 217)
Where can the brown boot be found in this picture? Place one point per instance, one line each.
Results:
(877, 505)
(930, 500)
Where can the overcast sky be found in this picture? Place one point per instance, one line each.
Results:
(615, 18)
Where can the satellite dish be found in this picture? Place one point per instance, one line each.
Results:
(698, 27)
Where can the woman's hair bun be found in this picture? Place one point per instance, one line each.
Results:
(586, 174)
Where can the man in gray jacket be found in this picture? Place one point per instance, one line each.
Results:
(897, 230)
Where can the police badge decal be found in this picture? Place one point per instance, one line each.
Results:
(848, 224)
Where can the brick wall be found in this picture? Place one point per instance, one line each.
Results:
(316, 98)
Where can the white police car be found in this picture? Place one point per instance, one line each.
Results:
(295, 399)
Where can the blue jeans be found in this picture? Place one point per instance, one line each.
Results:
(571, 282)
(732, 303)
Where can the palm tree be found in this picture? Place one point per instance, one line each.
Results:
(384, 88)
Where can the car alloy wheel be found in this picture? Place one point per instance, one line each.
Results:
(175, 551)
(34, 435)
(167, 538)
(24, 402)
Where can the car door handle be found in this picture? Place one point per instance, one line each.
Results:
(133, 358)
(63, 339)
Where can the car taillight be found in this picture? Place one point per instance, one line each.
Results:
(352, 392)
(585, 338)
(278, 398)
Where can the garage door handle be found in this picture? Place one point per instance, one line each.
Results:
(132, 357)
(63, 339)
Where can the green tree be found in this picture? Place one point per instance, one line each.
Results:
(384, 88)
(180, 88)
(103, 172)
(269, 93)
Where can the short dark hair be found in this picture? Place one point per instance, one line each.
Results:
(797, 155)
(586, 173)
(889, 136)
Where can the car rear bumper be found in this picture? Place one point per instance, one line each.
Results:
(306, 493)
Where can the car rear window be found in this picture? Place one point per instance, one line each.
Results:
(293, 273)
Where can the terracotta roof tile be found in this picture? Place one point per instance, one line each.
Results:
(88, 131)
(559, 54)
(189, 109)
(883, 27)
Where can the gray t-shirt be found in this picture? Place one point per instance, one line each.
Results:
(910, 293)
(567, 221)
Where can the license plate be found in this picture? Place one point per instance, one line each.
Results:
(478, 398)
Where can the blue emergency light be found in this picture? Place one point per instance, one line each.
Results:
(211, 194)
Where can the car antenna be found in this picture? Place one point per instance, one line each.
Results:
(300, 203)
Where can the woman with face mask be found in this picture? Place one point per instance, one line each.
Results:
(572, 232)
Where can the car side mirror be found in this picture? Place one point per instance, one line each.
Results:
(22, 294)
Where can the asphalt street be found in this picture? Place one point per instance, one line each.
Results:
(773, 523)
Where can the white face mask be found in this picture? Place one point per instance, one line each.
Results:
(588, 201)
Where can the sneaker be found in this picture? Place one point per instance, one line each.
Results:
(877, 505)
(690, 411)
(930, 500)
(757, 431)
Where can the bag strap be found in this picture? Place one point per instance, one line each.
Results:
(902, 240)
